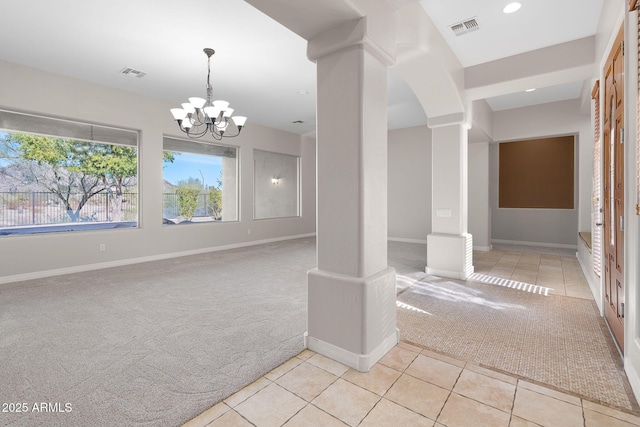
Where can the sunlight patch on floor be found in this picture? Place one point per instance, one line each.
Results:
(508, 283)
(448, 290)
(400, 304)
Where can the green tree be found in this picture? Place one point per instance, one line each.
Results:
(191, 182)
(169, 156)
(68, 168)
(116, 166)
(187, 201)
(214, 203)
(187, 192)
(55, 164)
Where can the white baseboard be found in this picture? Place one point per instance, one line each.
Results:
(461, 275)
(632, 376)
(424, 242)
(403, 240)
(541, 244)
(360, 362)
(592, 280)
(129, 261)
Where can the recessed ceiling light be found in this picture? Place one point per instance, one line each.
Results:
(302, 92)
(512, 7)
(530, 90)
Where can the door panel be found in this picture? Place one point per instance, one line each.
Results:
(613, 194)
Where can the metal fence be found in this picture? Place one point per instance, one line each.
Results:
(170, 206)
(42, 208)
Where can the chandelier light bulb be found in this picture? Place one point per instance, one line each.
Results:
(222, 105)
(239, 120)
(188, 108)
(212, 112)
(178, 113)
(197, 102)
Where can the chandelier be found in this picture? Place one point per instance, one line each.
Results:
(200, 116)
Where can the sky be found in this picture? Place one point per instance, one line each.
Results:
(3, 162)
(188, 165)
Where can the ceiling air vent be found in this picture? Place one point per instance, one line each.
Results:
(465, 27)
(127, 71)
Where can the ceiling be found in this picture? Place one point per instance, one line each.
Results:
(260, 66)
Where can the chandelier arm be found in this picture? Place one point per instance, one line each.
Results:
(226, 135)
(199, 118)
(197, 134)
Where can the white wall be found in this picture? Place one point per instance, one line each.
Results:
(278, 200)
(632, 220)
(33, 91)
(409, 184)
(479, 219)
(544, 226)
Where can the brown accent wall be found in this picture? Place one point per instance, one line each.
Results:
(537, 173)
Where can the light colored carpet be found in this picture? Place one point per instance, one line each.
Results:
(151, 344)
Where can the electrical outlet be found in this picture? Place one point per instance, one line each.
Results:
(103, 247)
(248, 231)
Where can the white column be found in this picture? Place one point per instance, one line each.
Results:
(449, 246)
(352, 310)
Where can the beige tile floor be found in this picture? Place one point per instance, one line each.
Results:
(561, 273)
(410, 386)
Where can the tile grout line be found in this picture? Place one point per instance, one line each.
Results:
(241, 416)
(309, 402)
(513, 403)
(450, 393)
(396, 380)
(322, 410)
(370, 410)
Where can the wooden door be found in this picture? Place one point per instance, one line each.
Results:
(613, 197)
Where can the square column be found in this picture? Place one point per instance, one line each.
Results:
(351, 302)
(450, 246)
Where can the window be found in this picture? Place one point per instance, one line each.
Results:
(58, 175)
(537, 174)
(276, 185)
(596, 239)
(200, 182)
